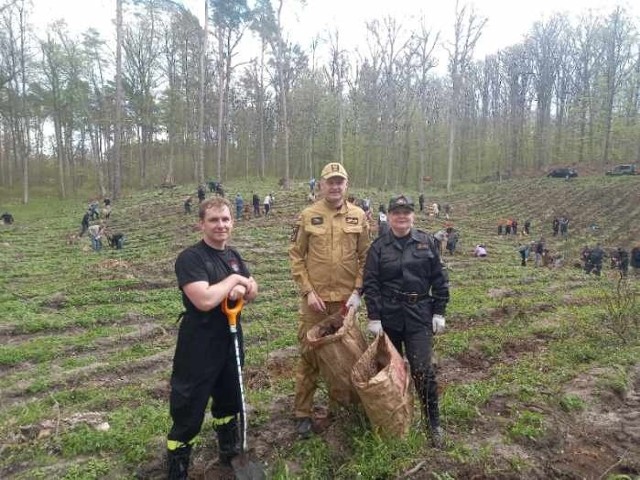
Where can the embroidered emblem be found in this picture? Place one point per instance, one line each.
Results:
(235, 266)
(422, 246)
(317, 220)
(294, 233)
(351, 220)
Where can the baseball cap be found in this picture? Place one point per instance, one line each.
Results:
(400, 201)
(334, 169)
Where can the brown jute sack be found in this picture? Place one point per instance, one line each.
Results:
(338, 343)
(381, 378)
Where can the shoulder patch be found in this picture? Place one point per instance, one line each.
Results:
(294, 233)
(422, 246)
(351, 220)
(317, 220)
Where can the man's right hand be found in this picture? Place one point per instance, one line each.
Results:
(239, 291)
(374, 327)
(315, 302)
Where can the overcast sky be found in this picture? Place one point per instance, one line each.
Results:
(508, 20)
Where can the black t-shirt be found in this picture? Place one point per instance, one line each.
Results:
(201, 263)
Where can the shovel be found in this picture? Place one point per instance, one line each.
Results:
(243, 467)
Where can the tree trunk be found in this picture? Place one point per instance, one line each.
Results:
(117, 140)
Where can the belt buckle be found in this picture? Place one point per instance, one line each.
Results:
(412, 297)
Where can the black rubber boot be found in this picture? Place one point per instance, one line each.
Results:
(304, 427)
(228, 441)
(178, 461)
(437, 434)
(433, 412)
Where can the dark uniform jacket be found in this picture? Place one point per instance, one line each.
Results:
(405, 285)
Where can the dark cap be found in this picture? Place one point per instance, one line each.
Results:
(400, 201)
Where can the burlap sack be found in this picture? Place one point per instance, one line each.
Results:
(338, 343)
(381, 378)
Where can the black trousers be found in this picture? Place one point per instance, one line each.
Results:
(204, 366)
(418, 348)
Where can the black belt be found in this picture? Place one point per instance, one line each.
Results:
(408, 297)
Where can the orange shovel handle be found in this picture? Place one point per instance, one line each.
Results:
(232, 312)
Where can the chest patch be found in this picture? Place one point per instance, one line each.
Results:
(422, 246)
(235, 265)
(317, 220)
(351, 220)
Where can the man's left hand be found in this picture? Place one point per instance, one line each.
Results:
(353, 301)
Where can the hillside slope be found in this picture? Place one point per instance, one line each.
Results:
(539, 367)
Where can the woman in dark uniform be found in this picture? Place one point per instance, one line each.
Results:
(406, 292)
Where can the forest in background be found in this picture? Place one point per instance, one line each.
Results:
(179, 103)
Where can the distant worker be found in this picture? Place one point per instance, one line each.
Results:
(527, 227)
(623, 261)
(116, 240)
(480, 251)
(421, 201)
(441, 237)
(452, 240)
(538, 250)
(84, 223)
(447, 210)
(383, 224)
(255, 201)
(635, 259)
(564, 227)
(596, 256)
(7, 218)
(266, 203)
(239, 206)
(95, 234)
(523, 250)
(187, 205)
(94, 210)
(106, 211)
(201, 193)
(585, 256)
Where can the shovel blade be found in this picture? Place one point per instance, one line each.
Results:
(246, 469)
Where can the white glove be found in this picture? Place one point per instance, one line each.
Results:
(353, 301)
(438, 324)
(374, 327)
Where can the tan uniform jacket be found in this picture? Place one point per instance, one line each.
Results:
(329, 249)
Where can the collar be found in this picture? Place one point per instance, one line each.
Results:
(344, 208)
(390, 237)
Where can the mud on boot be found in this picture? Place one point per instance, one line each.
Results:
(228, 441)
(437, 437)
(178, 462)
(304, 427)
(435, 430)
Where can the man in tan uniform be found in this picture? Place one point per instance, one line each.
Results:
(328, 251)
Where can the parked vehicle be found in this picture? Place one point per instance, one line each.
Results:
(624, 169)
(562, 173)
